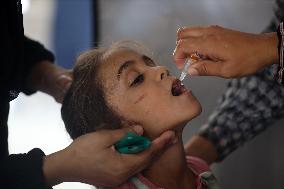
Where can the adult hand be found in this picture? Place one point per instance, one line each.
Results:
(51, 79)
(228, 53)
(92, 159)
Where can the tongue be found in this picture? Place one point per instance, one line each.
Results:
(176, 91)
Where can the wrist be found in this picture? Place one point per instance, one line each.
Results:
(55, 168)
(270, 48)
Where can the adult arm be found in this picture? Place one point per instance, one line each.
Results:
(25, 170)
(40, 72)
(220, 136)
(92, 159)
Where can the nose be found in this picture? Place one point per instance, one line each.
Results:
(162, 72)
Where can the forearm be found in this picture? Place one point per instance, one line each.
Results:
(246, 109)
(201, 147)
(56, 168)
(269, 49)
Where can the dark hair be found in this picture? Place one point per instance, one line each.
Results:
(84, 108)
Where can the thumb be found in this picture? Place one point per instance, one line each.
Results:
(205, 68)
(110, 137)
(158, 146)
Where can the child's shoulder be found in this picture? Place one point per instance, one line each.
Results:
(198, 166)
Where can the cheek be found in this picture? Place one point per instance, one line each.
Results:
(156, 110)
(153, 114)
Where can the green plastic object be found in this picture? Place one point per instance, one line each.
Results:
(132, 143)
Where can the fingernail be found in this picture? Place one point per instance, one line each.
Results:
(138, 129)
(173, 138)
(193, 72)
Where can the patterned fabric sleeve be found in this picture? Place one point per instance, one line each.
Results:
(249, 105)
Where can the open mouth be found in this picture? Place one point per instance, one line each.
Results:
(178, 88)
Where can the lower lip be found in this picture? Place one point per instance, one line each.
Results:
(185, 92)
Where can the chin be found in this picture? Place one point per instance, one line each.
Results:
(193, 110)
(197, 109)
(182, 117)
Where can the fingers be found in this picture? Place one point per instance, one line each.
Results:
(190, 32)
(64, 81)
(186, 47)
(186, 32)
(158, 146)
(205, 68)
(110, 137)
(160, 143)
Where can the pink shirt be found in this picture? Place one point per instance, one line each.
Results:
(196, 164)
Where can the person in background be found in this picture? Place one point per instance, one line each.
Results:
(250, 104)
(26, 66)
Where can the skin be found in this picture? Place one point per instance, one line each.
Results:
(201, 147)
(51, 79)
(149, 102)
(228, 53)
(90, 158)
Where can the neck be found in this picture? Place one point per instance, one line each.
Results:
(170, 170)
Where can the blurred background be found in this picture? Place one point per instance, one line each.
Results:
(68, 27)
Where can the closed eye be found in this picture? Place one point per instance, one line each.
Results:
(138, 80)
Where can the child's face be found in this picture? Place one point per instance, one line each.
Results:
(141, 92)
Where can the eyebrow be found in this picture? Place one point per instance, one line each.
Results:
(123, 67)
(148, 61)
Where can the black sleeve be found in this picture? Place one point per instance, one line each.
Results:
(23, 171)
(19, 54)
